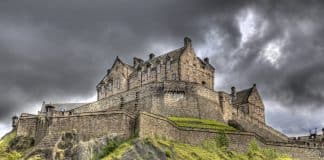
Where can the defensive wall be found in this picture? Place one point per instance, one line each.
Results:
(155, 125)
(167, 98)
(86, 125)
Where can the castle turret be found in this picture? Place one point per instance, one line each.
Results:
(151, 56)
(15, 122)
(233, 93)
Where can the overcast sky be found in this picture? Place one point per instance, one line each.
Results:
(57, 51)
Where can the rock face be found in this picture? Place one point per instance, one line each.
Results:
(21, 143)
(70, 148)
(142, 150)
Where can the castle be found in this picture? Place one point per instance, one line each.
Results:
(138, 98)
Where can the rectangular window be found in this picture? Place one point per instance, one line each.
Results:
(174, 77)
(117, 83)
(109, 87)
(168, 65)
(187, 77)
(149, 72)
(158, 68)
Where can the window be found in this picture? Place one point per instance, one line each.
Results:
(187, 77)
(194, 69)
(187, 68)
(121, 102)
(109, 87)
(117, 83)
(139, 75)
(174, 77)
(168, 64)
(149, 72)
(102, 90)
(158, 68)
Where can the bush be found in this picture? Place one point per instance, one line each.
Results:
(222, 141)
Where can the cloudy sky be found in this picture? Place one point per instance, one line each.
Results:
(57, 51)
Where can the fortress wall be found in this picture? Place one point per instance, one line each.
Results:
(254, 125)
(27, 126)
(94, 125)
(168, 98)
(186, 100)
(115, 100)
(209, 104)
(153, 125)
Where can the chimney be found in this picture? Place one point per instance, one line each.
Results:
(187, 42)
(323, 131)
(151, 56)
(137, 61)
(206, 60)
(233, 93)
(108, 71)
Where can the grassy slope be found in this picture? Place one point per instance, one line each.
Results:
(208, 151)
(201, 123)
(4, 143)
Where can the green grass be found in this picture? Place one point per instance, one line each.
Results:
(201, 123)
(210, 150)
(4, 143)
(118, 150)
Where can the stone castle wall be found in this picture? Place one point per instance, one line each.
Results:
(169, 98)
(252, 124)
(153, 125)
(88, 125)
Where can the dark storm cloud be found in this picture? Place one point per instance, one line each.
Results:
(56, 50)
(296, 80)
(59, 50)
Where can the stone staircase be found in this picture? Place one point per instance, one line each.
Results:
(47, 143)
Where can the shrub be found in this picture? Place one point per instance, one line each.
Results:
(222, 141)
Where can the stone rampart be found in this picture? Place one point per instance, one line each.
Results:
(165, 98)
(86, 125)
(155, 125)
(251, 124)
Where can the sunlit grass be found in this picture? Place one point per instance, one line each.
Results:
(201, 123)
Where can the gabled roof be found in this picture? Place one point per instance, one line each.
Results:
(207, 64)
(243, 96)
(173, 55)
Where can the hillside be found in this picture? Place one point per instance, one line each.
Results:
(14, 148)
